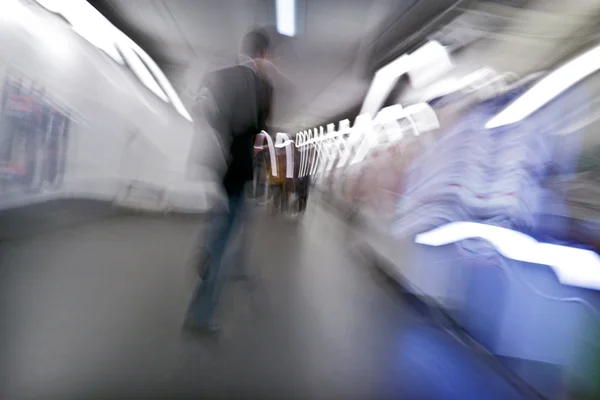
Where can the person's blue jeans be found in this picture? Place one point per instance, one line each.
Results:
(208, 290)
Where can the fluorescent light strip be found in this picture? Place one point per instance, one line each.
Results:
(573, 266)
(91, 25)
(382, 84)
(286, 17)
(140, 70)
(162, 80)
(548, 88)
(424, 65)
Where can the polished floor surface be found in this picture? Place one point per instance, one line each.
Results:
(95, 311)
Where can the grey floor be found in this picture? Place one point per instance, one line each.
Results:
(95, 311)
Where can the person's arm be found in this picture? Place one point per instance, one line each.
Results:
(285, 88)
(280, 81)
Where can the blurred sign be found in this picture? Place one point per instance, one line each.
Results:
(19, 104)
(33, 138)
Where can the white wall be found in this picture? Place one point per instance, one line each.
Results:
(122, 131)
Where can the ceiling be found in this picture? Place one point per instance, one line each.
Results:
(328, 64)
(526, 37)
(341, 43)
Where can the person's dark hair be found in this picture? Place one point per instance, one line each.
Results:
(255, 43)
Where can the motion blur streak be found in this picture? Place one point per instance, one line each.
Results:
(286, 17)
(548, 88)
(575, 267)
(93, 27)
(353, 199)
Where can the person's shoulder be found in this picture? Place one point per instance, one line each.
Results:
(227, 74)
(227, 71)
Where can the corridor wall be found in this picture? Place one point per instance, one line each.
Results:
(121, 138)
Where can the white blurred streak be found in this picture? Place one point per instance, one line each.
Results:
(162, 79)
(284, 140)
(97, 31)
(574, 267)
(264, 137)
(548, 88)
(87, 22)
(422, 117)
(318, 152)
(427, 64)
(382, 84)
(16, 12)
(138, 68)
(424, 66)
(343, 130)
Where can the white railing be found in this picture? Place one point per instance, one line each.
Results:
(322, 151)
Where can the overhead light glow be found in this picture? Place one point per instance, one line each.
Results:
(572, 266)
(140, 70)
(17, 12)
(548, 88)
(424, 65)
(382, 84)
(286, 17)
(88, 23)
(162, 80)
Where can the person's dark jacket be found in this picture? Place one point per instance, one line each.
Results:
(242, 102)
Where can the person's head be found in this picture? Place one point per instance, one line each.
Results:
(256, 44)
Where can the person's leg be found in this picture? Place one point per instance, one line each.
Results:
(239, 253)
(284, 196)
(305, 187)
(208, 290)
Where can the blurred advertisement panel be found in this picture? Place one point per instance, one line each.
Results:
(33, 139)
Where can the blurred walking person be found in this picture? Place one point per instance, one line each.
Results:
(236, 102)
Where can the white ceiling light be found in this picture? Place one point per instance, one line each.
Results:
(286, 17)
(162, 80)
(382, 84)
(14, 11)
(87, 22)
(140, 70)
(548, 88)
